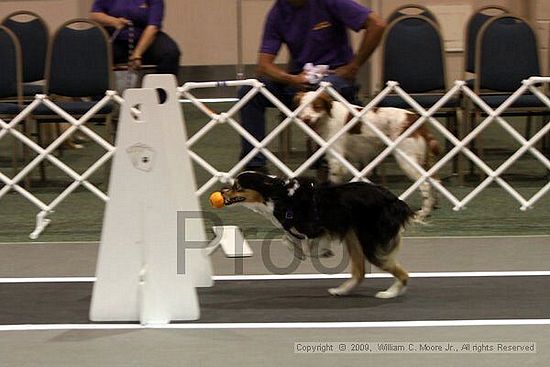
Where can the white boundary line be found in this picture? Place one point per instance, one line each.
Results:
(282, 325)
(463, 274)
(64, 243)
(47, 280)
(256, 241)
(210, 100)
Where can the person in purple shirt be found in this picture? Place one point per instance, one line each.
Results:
(314, 31)
(151, 45)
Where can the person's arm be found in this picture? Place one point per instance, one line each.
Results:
(108, 21)
(267, 68)
(154, 24)
(372, 35)
(147, 37)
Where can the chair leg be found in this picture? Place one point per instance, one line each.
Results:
(453, 128)
(528, 127)
(110, 129)
(14, 163)
(458, 161)
(463, 124)
(64, 145)
(545, 141)
(478, 145)
(480, 148)
(111, 140)
(27, 179)
(42, 166)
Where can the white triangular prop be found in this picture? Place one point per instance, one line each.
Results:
(232, 241)
(151, 181)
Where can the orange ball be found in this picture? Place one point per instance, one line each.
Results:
(217, 200)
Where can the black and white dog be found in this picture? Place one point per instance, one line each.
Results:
(366, 217)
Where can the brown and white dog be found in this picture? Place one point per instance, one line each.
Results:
(360, 145)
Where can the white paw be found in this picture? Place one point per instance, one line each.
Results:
(299, 254)
(295, 248)
(335, 179)
(339, 291)
(326, 253)
(423, 213)
(392, 292)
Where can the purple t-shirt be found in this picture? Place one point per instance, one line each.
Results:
(316, 32)
(141, 12)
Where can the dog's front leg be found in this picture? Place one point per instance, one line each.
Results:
(336, 171)
(321, 246)
(294, 245)
(357, 266)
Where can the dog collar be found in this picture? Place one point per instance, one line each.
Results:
(289, 214)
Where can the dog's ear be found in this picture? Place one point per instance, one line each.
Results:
(356, 129)
(298, 98)
(326, 103)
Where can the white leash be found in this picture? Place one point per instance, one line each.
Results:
(131, 45)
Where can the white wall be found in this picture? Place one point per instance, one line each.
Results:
(206, 30)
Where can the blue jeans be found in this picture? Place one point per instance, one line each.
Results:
(253, 113)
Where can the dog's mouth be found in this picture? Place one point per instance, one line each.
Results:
(232, 196)
(236, 195)
(308, 120)
(233, 200)
(311, 122)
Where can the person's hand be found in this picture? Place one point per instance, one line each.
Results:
(120, 23)
(135, 62)
(299, 80)
(348, 71)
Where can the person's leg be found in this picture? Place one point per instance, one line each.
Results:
(253, 116)
(164, 53)
(347, 89)
(120, 52)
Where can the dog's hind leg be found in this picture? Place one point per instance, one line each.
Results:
(321, 247)
(389, 264)
(399, 286)
(357, 266)
(414, 148)
(294, 245)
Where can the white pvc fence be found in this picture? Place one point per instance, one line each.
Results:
(229, 117)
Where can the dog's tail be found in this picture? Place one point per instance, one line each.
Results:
(402, 212)
(433, 145)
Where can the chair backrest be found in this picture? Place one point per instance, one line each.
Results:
(412, 55)
(79, 62)
(33, 35)
(506, 54)
(473, 25)
(10, 61)
(412, 9)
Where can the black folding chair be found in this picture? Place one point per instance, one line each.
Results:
(79, 69)
(412, 9)
(506, 54)
(33, 35)
(413, 55)
(10, 81)
(473, 26)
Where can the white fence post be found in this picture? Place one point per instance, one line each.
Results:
(229, 118)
